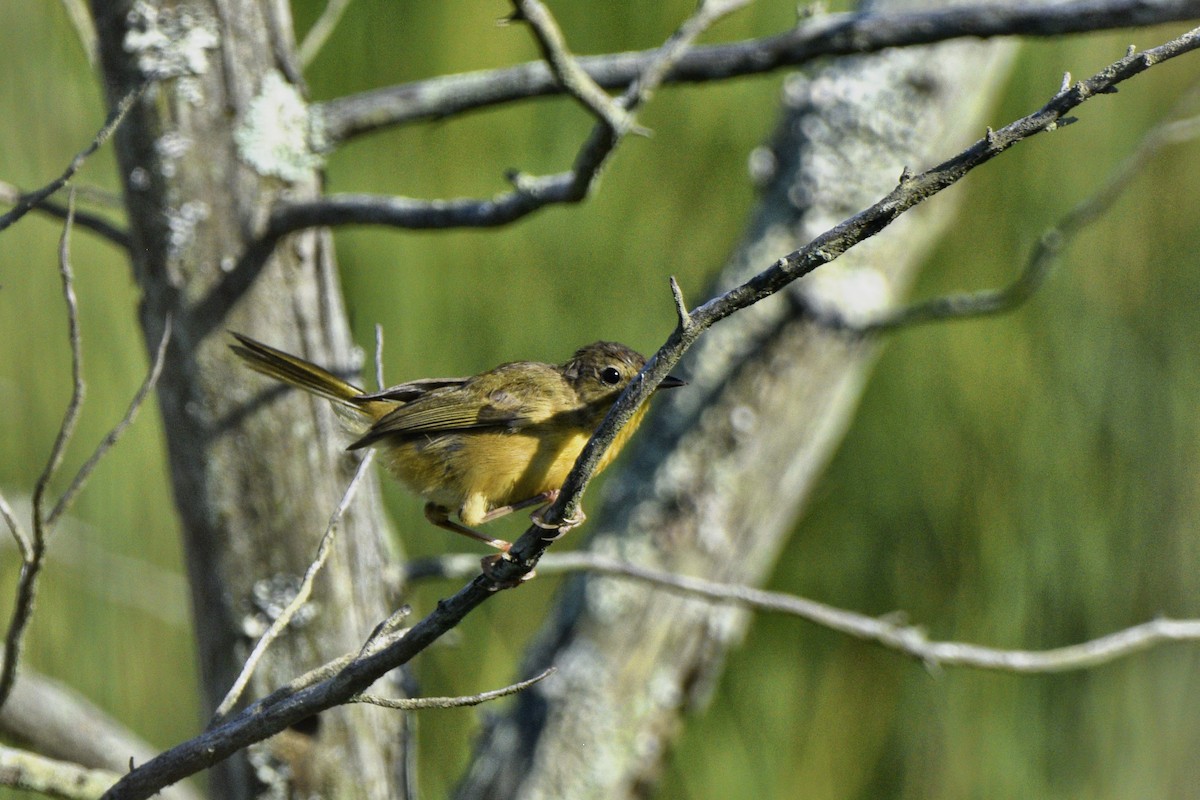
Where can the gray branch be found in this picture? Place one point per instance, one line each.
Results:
(828, 35)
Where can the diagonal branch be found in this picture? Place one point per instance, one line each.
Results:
(11, 195)
(350, 675)
(321, 30)
(911, 191)
(114, 435)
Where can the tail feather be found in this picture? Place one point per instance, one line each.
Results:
(296, 372)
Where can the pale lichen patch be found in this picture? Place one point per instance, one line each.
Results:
(277, 135)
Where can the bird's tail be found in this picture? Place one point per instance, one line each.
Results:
(297, 372)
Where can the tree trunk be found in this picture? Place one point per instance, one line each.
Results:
(256, 472)
(715, 483)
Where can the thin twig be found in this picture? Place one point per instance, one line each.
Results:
(24, 543)
(353, 673)
(31, 565)
(85, 28)
(280, 623)
(907, 639)
(319, 33)
(379, 384)
(114, 435)
(417, 703)
(439, 98)
(32, 199)
(11, 195)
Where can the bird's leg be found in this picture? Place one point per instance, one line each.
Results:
(440, 516)
(536, 500)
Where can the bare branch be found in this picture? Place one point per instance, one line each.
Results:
(31, 565)
(418, 703)
(831, 34)
(281, 622)
(319, 33)
(135, 406)
(32, 199)
(352, 674)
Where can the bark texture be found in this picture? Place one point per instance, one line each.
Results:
(722, 470)
(256, 472)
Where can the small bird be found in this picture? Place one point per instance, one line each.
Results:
(484, 446)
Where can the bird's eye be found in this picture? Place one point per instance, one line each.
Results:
(610, 375)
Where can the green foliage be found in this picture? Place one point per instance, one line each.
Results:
(1025, 481)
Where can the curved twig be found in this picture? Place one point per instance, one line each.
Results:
(418, 703)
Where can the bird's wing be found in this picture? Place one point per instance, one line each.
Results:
(446, 411)
(413, 390)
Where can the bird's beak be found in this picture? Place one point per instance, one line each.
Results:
(670, 382)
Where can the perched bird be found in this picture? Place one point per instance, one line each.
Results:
(484, 446)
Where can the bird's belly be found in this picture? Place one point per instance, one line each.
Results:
(507, 468)
(482, 470)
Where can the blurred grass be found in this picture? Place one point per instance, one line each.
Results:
(1049, 486)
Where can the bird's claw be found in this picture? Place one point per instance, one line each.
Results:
(560, 528)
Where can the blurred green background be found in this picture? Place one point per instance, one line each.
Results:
(1026, 481)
